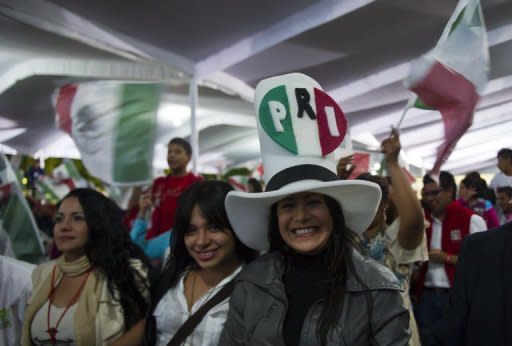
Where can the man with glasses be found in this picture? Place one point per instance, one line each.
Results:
(429, 192)
(449, 222)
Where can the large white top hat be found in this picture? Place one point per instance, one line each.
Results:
(299, 127)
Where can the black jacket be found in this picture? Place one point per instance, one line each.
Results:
(480, 311)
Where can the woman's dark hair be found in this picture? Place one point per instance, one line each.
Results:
(427, 179)
(183, 143)
(390, 213)
(339, 256)
(447, 181)
(381, 181)
(255, 184)
(110, 249)
(209, 197)
(474, 181)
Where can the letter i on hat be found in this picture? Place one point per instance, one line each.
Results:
(299, 127)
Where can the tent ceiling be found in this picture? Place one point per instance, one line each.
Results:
(359, 51)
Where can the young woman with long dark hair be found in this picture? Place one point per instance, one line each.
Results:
(205, 257)
(98, 288)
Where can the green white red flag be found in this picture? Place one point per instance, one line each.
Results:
(113, 126)
(17, 218)
(451, 76)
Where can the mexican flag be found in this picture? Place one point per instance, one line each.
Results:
(239, 182)
(451, 76)
(64, 178)
(16, 217)
(50, 190)
(113, 126)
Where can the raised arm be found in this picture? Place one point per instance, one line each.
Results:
(407, 205)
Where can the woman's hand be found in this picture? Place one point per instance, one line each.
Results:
(391, 147)
(341, 167)
(145, 204)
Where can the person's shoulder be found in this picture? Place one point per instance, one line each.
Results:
(487, 246)
(42, 270)
(159, 180)
(263, 269)
(372, 273)
(495, 235)
(195, 177)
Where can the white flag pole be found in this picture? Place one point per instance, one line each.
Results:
(408, 106)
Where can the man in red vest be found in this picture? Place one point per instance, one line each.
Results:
(449, 222)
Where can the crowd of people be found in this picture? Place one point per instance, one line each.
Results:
(314, 258)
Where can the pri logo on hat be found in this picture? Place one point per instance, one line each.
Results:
(302, 119)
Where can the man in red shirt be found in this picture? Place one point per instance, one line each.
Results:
(166, 190)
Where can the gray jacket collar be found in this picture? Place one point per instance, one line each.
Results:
(267, 269)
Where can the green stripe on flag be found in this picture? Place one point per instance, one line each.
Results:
(72, 170)
(135, 135)
(47, 191)
(18, 221)
(457, 21)
(419, 104)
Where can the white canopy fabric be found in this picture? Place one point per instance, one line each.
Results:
(358, 50)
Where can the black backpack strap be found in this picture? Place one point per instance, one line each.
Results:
(191, 323)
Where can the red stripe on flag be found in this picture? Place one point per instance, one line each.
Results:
(455, 98)
(237, 185)
(63, 107)
(5, 192)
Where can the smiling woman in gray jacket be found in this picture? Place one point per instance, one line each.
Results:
(314, 288)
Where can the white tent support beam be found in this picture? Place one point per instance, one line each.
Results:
(230, 85)
(194, 133)
(49, 17)
(210, 121)
(319, 13)
(52, 18)
(12, 71)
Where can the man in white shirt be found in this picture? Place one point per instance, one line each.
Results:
(504, 176)
(450, 222)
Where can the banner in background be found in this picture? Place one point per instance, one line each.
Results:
(113, 126)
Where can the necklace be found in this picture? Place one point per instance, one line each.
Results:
(52, 331)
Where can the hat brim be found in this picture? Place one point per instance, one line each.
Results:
(249, 213)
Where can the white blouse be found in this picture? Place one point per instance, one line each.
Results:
(66, 330)
(172, 311)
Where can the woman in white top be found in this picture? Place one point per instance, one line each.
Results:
(206, 255)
